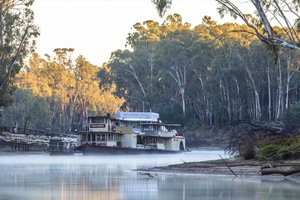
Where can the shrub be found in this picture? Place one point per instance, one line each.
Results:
(269, 151)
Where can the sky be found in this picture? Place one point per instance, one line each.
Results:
(96, 28)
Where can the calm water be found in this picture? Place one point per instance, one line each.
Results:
(36, 177)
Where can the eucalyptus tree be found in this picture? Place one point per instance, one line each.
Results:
(87, 94)
(48, 79)
(282, 11)
(61, 80)
(292, 77)
(35, 77)
(17, 34)
(27, 107)
(68, 89)
(287, 66)
(134, 72)
(128, 70)
(143, 41)
(202, 54)
(173, 58)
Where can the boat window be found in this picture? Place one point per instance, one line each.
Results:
(150, 140)
(93, 137)
(103, 137)
(98, 120)
(110, 137)
(98, 137)
(89, 137)
(118, 137)
(153, 140)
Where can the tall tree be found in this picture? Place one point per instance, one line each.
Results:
(69, 89)
(17, 34)
(30, 108)
(173, 57)
(280, 10)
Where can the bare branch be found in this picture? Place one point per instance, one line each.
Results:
(228, 166)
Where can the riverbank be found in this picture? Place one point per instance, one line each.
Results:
(235, 167)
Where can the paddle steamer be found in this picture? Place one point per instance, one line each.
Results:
(129, 133)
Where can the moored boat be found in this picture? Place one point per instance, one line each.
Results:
(129, 133)
(61, 147)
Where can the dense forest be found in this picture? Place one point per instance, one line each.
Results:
(209, 75)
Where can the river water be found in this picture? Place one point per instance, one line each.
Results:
(43, 177)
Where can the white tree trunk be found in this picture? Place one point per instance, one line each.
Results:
(257, 109)
(290, 73)
(269, 94)
(179, 75)
(280, 92)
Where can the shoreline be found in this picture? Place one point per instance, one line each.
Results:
(228, 167)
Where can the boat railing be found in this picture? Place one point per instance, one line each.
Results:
(150, 132)
(159, 133)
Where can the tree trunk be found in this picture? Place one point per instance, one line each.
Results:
(269, 94)
(229, 112)
(182, 92)
(238, 105)
(134, 74)
(280, 92)
(290, 73)
(257, 109)
(179, 76)
(283, 170)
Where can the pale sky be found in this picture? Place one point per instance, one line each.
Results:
(96, 28)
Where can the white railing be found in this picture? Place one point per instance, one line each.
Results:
(30, 139)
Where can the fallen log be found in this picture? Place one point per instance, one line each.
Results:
(283, 170)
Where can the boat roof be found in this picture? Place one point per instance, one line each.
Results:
(137, 116)
(160, 124)
(145, 118)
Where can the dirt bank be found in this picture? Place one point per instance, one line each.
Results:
(221, 167)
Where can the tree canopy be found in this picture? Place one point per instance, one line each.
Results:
(203, 72)
(196, 76)
(17, 33)
(281, 13)
(64, 89)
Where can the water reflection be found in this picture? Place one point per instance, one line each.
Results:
(111, 178)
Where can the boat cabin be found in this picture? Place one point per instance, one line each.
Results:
(142, 130)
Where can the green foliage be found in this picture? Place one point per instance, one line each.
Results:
(286, 148)
(162, 6)
(6, 92)
(17, 33)
(269, 151)
(60, 92)
(25, 105)
(293, 114)
(211, 73)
